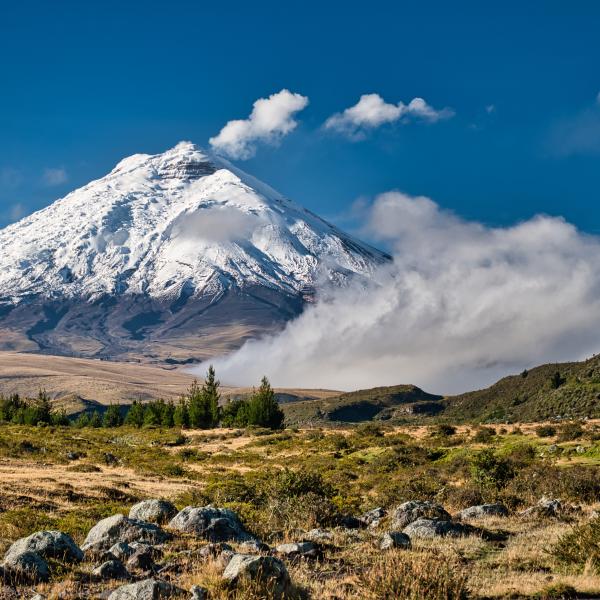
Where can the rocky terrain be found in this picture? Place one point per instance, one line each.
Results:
(416, 512)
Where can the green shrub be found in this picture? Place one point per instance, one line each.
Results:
(444, 430)
(570, 431)
(491, 471)
(298, 483)
(484, 435)
(580, 546)
(545, 431)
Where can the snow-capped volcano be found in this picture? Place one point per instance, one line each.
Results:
(151, 250)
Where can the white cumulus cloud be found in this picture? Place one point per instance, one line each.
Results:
(271, 119)
(372, 111)
(461, 305)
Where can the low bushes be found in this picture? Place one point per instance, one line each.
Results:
(580, 547)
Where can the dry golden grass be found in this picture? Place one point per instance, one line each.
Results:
(73, 380)
(44, 491)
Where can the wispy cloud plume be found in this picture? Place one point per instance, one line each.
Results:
(372, 111)
(461, 305)
(54, 176)
(578, 134)
(271, 119)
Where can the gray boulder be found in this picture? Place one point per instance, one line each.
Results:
(373, 517)
(266, 570)
(298, 550)
(409, 512)
(198, 593)
(394, 539)
(253, 546)
(26, 567)
(111, 569)
(319, 536)
(431, 528)
(121, 551)
(213, 550)
(148, 589)
(545, 508)
(483, 510)
(153, 511)
(210, 523)
(48, 544)
(119, 528)
(141, 561)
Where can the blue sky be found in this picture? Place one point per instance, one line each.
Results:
(86, 83)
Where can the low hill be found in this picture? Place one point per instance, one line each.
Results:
(550, 391)
(558, 390)
(381, 403)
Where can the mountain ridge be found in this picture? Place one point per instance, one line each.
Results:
(138, 257)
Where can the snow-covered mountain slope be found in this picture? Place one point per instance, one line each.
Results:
(143, 252)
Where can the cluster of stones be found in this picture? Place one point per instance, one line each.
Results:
(130, 548)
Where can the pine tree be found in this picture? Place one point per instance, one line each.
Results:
(235, 413)
(59, 418)
(168, 414)
(112, 416)
(83, 420)
(95, 419)
(181, 417)
(198, 407)
(210, 391)
(135, 414)
(263, 408)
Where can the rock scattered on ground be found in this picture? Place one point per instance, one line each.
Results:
(48, 544)
(148, 589)
(198, 593)
(319, 536)
(111, 569)
(432, 528)
(210, 523)
(410, 511)
(394, 539)
(483, 510)
(25, 567)
(118, 528)
(268, 570)
(373, 517)
(153, 511)
(298, 550)
(141, 561)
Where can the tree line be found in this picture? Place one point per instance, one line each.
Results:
(199, 408)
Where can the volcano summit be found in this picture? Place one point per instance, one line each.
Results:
(173, 256)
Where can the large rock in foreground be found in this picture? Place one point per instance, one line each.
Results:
(119, 528)
(25, 567)
(149, 589)
(47, 544)
(432, 528)
(153, 511)
(483, 510)
(408, 512)
(210, 523)
(266, 570)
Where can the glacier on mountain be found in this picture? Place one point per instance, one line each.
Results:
(160, 233)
